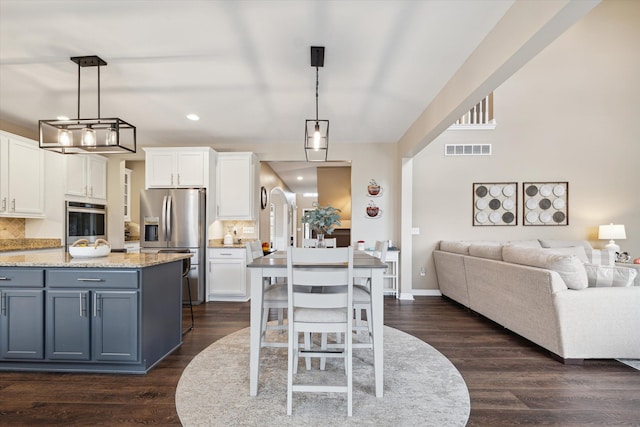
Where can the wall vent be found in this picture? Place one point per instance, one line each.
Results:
(467, 149)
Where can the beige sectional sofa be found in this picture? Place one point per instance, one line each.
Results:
(562, 295)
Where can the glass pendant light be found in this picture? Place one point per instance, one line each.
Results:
(88, 137)
(112, 136)
(65, 137)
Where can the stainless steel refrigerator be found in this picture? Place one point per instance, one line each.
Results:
(175, 221)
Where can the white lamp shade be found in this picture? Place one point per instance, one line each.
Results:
(612, 232)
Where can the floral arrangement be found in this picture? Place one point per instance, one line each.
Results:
(322, 220)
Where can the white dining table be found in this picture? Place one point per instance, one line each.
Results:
(275, 265)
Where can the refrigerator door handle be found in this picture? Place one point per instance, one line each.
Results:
(169, 215)
(164, 218)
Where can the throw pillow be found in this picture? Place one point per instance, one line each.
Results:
(602, 257)
(461, 248)
(486, 251)
(600, 276)
(574, 250)
(569, 267)
(556, 243)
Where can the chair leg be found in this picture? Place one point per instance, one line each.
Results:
(190, 307)
(323, 346)
(307, 346)
(281, 318)
(291, 367)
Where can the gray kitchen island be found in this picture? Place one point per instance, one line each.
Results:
(121, 313)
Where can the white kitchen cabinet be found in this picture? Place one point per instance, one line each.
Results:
(86, 176)
(236, 186)
(21, 177)
(227, 274)
(177, 167)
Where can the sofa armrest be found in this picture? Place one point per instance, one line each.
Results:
(450, 273)
(599, 322)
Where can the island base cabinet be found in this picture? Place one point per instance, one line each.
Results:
(67, 326)
(21, 324)
(75, 317)
(115, 326)
(108, 320)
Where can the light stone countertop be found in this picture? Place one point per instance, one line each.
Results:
(113, 260)
(217, 243)
(7, 245)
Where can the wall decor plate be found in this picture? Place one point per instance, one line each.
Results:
(495, 203)
(545, 203)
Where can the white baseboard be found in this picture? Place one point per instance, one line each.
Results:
(427, 292)
(406, 296)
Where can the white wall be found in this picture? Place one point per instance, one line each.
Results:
(571, 114)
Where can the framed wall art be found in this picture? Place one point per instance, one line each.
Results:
(545, 203)
(495, 203)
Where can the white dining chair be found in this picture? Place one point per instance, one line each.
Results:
(330, 243)
(274, 296)
(319, 312)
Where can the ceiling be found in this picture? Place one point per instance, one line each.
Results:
(242, 66)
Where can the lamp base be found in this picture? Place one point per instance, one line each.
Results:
(612, 246)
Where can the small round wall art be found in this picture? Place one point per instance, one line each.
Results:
(545, 203)
(495, 203)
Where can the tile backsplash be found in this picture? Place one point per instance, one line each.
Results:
(12, 228)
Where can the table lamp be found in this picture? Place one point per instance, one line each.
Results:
(611, 232)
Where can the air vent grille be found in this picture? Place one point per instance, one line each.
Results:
(467, 149)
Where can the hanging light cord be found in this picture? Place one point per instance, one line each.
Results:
(317, 74)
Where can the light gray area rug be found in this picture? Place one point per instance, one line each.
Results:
(421, 387)
(634, 363)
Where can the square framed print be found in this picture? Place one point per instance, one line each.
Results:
(545, 203)
(495, 203)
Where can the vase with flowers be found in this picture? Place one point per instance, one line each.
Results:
(322, 220)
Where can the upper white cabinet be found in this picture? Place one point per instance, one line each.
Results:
(86, 176)
(21, 177)
(236, 186)
(177, 167)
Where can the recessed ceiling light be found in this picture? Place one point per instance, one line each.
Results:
(309, 194)
(62, 118)
(299, 178)
(193, 117)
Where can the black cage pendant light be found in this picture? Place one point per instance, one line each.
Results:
(99, 135)
(316, 131)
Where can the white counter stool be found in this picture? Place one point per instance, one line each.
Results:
(274, 297)
(186, 266)
(362, 297)
(326, 312)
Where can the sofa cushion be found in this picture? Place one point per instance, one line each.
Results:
(557, 243)
(569, 267)
(574, 250)
(525, 243)
(491, 251)
(600, 276)
(456, 247)
(602, 257)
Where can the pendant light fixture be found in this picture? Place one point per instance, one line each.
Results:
(99, 135)
(316, 131)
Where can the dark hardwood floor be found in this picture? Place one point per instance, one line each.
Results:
(510, 381)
